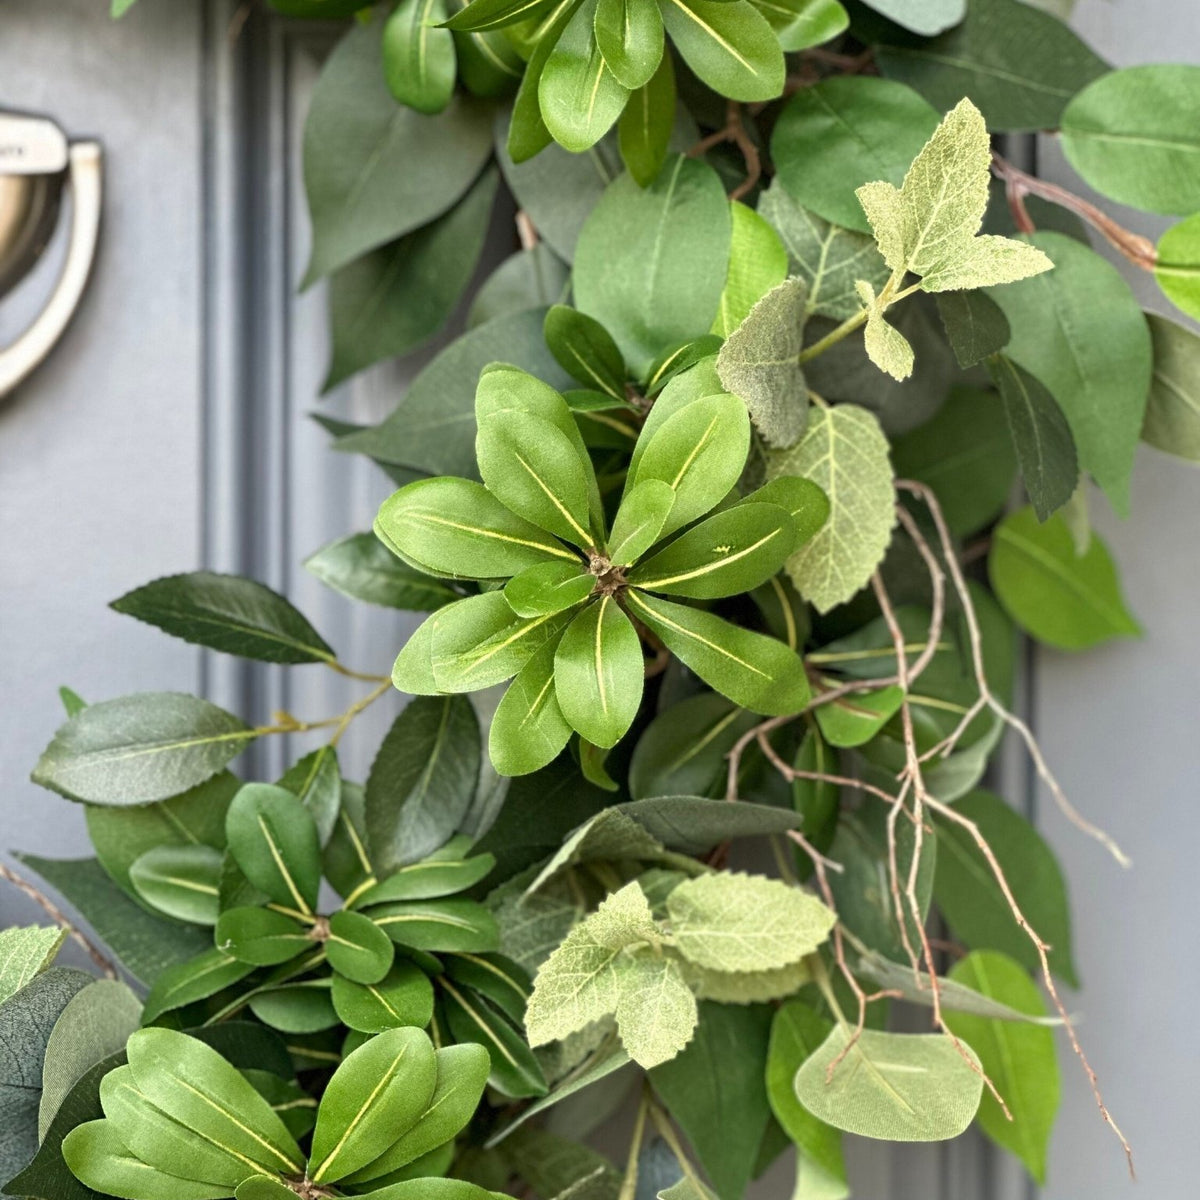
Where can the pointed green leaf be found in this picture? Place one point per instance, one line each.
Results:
(757, 263)
(141, 748)
(585, 350)
(404, 996)
(753, 670)
(378, 1093)
(645, 126)
(548, 588)
(274, 840)
(429, 879)
(196, 979)
(528, 728)
(181, 881)
(494, 14)
(346, 863)
(357, 948)
(438, 926)
(729, 45)
(645, 509)
(845, 454)
(800, 24)
(504, 982)
(855, 719)
(527, 131)
(514, 1069)
(227, 613)
(975, 326)
(598, 672)
(630, 36)
(418, 57)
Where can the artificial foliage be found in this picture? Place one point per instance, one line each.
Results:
(704, 519)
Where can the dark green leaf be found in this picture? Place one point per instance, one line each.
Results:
(975, 325)
(418, 58)
(196, 979)
(528, 729)
(472, 1018)
(296, 1008)
(532, 278)
(644, 128)
(261, 936)
(585, 350)
(438, 926)
(403, 997)
(274, 839)
(357, 948)
(729, 45)
(429, 879)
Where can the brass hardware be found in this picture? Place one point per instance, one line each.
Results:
(38, 168)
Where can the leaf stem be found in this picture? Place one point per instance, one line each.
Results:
(662, 1122)
(629, 1183)
(847, 327)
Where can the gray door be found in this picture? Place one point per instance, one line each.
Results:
(169, 432)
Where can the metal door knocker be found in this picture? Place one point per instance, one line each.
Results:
(37, 165)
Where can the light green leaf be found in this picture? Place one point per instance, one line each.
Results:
(859, 128)
(492, 14)
(886, 346)
(759, 363)
(1172, 419)
(1066, 600)
(900, 1087)
(422, 781)
(1079, 330)
(196, 979)
(274, 839)
(1019, 65)
(418, 58)
(528, 729)
(141, 748)
(578, 983)
(800, 24)
(1018, 1058)
(378, 1093)
(926, 17)
(681, 223)
(855, 719)
(656, 1011)
(1134, 135)
(365, 175)
(404, 996)
(757, 263)
(734, 922)
(453, 926)
(796, 1032)
(26, 951)
(845, 454)
(630, 36)
(181, 881)
(828, 258)
(1178, 267)
(457, 527)
(970, 898)
(745, 987)
(645, 127)
(639, 522)
(753, 670)
(357, 948)
(729, 45)
(578, 93)
(548, 588)
(1040, 434)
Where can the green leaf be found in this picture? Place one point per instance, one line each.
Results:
(800, 24)
(656, 1011)
(274, 840)
(26, 951)
(900, 1087)
(598, 673)
(1018, 64)
(263, 1187)
(493, 14)
(514, 1067)
(730, 552)
(585, 350)
(418, 57)
(815, 800)
(1018, 1058)
(970, 898)
(1134, 135)
(630, 37)
(886, 346)
(365, 175)
(181, 881)
(1063, 599)
(796, 1032)
(975, 326)
(930, 226)
(579, 95)
(316, 780)
(1178, 267)
(377, 1094)
(715, 1092)
(27, 1019)
(729, 45)
(640, 520)
(759, 363)
(753, 670)
(422, 781)
(431, 878)
(699, 451)
(1172, 419)
(141, 748)
(196, 979)
(927, 17)
(733, 922)
(260, 936)
(845, 454)
(855, 719)
(681, 223)
(548, 589)
(357, 948)
(828, 258)
(859, 128)
(528, 729)
(1040, 435)
(532, 278)
(757, 263)
(372, 314)
(645, 126)
(296, 1008)
(438, 926)
(191, 1083)
(966, 455)
(609, 835)
(227, 613)
(404, 996)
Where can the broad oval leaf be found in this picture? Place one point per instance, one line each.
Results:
(274, 840)
(438, 926)
(304, 1007)
(630, 36)
(729, 45)
(640, 520)
(528, 729)
(260, 936)
(896, 1086)
(1067, 600)
(457, 527)
(548, 588)
(585, 349)
(418, 58)
(1178, 267)
(429, 879)
(196, 979)
(404, 996)
(181, 881)
(378, 1093)
(753, 670)
(730, 552)
(357, 948)
(514, 1070)
(141, 748)
(228, 613)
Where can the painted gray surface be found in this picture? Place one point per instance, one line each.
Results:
(168, 433)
